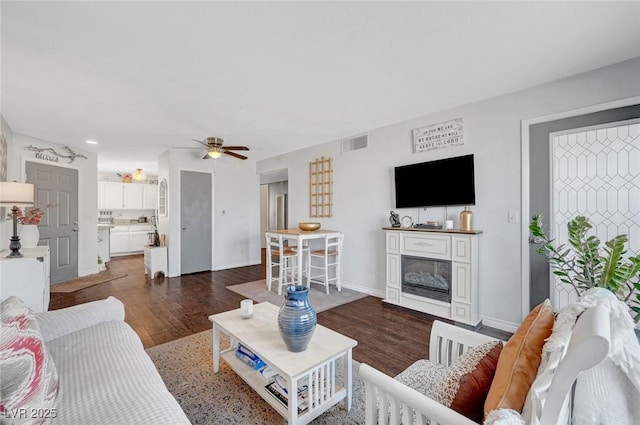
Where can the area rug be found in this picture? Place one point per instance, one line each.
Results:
(318, 298)
(84, 282)
(186, 366)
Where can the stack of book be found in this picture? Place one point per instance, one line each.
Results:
(249, 357)
(280, 392)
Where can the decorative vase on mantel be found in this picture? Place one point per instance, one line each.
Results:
(297, 319)
(29, 235)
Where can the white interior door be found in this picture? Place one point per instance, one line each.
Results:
(537, 185)
(595, 172)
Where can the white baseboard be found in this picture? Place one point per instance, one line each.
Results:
(87, 272)
(364, 289)
(500, 324)
(233, 266)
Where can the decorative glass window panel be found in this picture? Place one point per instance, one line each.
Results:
(162, 199)
(595, 173)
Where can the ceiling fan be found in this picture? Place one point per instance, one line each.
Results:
(215, 148)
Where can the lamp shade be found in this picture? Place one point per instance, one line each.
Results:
(138, 174)
(16, 194)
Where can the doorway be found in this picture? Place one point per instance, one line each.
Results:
(595, 173)
(195, 222)
(281, 211)
(59, 227)
(537, 183)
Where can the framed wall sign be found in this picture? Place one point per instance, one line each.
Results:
(436, 136)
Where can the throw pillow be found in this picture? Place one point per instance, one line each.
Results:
(519, 361)
(470, 378)
(29, 381)
(462, 386)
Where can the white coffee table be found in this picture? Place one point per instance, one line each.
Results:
(317, 363)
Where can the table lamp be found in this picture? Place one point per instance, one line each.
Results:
(16, 195)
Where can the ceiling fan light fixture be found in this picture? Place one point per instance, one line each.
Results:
(215, 153)
(138, 174)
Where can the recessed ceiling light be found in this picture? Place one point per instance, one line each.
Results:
(91, 142)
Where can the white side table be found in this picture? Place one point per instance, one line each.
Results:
(27, 277)
(155, 260)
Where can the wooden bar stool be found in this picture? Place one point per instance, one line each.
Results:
(282, 257)
(327, 257)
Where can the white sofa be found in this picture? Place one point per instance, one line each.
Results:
(574, 348)
(104, 374)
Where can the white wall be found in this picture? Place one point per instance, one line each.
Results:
(87, 192)
(236, 205)
(6, 226)
(363, 182)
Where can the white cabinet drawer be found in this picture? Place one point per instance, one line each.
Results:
(433, 246)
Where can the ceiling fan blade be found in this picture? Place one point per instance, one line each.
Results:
(206, 156)
(236, 148)
(201, 142)
(237, 155)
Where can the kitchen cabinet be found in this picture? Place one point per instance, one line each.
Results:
(27, 277)
(104, 240)
(110, 195)
(129, 239)
(127, 196)
(150, 197)
(119, 241)
(132, 196)
(139, 236)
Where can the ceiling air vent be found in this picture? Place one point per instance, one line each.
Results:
(355, 143)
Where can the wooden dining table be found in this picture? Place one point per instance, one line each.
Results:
(300, 236)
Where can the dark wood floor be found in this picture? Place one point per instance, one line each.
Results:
(389, 338)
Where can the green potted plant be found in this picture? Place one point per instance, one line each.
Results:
(585, 264)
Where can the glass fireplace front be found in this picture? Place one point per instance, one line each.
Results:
(426, 277)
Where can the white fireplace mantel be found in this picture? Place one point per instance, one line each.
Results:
(459, 247)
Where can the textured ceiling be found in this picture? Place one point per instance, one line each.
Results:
(141, 77)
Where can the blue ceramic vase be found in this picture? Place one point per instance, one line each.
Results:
(296, 319)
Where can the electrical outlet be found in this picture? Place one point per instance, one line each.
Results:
(513, 217)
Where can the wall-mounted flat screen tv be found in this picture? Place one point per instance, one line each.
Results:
(443, 182)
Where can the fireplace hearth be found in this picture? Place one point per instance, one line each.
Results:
(434, 271)
(426, 277)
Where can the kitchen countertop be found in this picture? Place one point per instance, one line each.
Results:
(132, 227)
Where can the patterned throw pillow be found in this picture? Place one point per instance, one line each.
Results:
(29, 381)
(463, 386)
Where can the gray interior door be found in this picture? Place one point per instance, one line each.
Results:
(540, 186)
(59, 227)
(195, 219)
